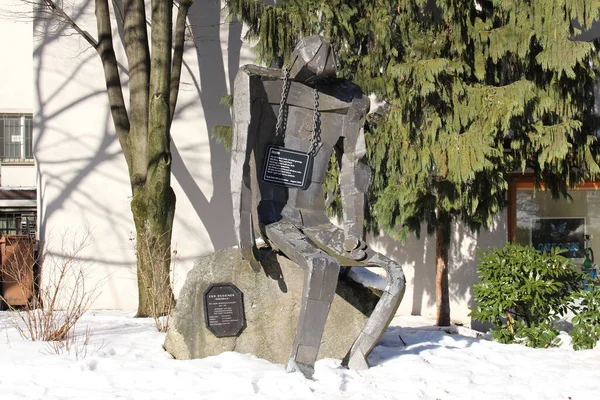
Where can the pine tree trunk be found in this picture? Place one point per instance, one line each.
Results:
(442, 293)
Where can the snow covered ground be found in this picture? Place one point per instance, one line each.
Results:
(125, 360)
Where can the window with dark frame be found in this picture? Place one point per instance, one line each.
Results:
(16, 137)
(18, 223)
(536, 218)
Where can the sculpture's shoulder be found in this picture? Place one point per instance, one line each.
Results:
(336, 94)
(251, 79)
(348, 92)
(263, 72)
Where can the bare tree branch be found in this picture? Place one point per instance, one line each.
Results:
(178, 47)
(143, 128)
(138, 56)
(111, 74)
(161, 36)
(104, 47)
(59, 13)
(118, 12)
(160, 74)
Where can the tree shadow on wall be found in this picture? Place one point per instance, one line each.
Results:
(416, 256)
(464, 258)
(214, 213)
(419, 255)
(213, 42)
(66, 150)
(48, 129)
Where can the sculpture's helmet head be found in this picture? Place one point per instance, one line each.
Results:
(313, 58)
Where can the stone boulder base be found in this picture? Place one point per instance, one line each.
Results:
(272, 303)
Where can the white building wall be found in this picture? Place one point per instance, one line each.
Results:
(84, 186)
(83, 176)
(16, 79)
(16, 50)
(17, 175)
(417, 257)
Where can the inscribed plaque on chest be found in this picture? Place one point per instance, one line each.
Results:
(285, 167)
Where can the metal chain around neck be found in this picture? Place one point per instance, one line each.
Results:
(316, 133)
(280, 126)
(284, 92)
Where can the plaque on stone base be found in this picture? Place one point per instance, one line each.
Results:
(224, 310)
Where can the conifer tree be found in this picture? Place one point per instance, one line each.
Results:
(473, 91)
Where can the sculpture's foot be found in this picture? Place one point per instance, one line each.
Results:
(307, 370)
(255, 265)
(356, 361)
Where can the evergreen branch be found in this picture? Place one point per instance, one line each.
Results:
(278, 27)
(462, 80)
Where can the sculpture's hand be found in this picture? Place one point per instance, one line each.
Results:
(355, 249)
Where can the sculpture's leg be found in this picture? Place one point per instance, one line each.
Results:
(382, 314)
(320, 281)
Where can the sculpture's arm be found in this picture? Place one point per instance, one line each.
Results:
(240, 175)
(355, 176)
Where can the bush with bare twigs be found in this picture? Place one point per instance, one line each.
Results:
(57, 303)
(75, 343)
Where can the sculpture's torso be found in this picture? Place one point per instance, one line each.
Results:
(304, 208)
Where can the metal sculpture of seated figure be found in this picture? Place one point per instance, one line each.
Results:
(286, 126)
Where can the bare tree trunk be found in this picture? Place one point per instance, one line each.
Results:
(153, 208)
(442, 293)
(145, 131)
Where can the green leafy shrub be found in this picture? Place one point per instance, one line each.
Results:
(521, 292)
(543, 334)
(586, 323)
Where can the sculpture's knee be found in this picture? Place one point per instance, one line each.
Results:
(395, 276)
(397, 283)
(321, 277)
